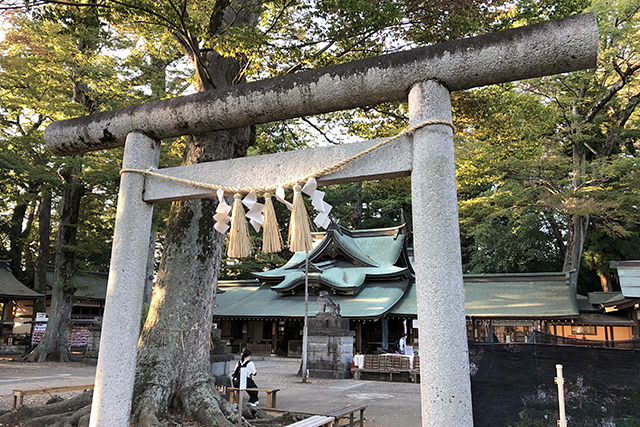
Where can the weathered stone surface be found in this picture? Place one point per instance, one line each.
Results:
(326, 324)
(390, 161)
(563, 45)
(444, 356)
(329, 347)
(115, 372)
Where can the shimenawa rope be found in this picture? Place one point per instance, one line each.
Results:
(290, 184)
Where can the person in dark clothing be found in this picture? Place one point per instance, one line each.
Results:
(245, 362)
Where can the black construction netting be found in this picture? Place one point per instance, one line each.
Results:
(504, 374)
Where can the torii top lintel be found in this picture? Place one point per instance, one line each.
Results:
(552, 47)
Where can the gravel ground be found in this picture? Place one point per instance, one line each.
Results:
(15, 374)
(388, 404)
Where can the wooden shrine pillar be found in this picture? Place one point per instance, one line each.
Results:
(274, 337)
(384, 322)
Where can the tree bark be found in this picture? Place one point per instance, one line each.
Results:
(44, 230)
(47, 415)
(173, 368)
(578, 223)
(173, 357)
(55, 343)
(604, 283)
(18, 232)
(577, 233)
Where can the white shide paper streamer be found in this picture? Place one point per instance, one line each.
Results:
(255, 211)
(222, 214)
(317, 201)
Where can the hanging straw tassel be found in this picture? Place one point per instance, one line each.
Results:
(239, 244)
(271, 238)
(299, 230)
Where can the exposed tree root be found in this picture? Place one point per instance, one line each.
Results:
(49, 415)
(205, 408)
(204, 404)
(200, 401)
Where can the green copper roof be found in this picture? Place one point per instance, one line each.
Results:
(371, 274)
(530, 296)
(628, 273)
(89, 285)
(250, 299)
(597, 298)
(604, 319)
(11, 288)
(343, 260)
(542, 295)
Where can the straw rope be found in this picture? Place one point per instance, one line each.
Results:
(290, 184)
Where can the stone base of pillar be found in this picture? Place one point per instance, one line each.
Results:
(330, 347)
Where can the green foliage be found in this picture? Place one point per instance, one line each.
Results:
(58, 62)
(278, 137)
(516, 244)
(143, 318)
(562, 148)
(627, 421)
(514, 142)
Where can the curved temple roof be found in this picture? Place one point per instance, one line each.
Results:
(252, 300)
(343, 260)
(370, 273)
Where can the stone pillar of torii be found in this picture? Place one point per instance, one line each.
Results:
(425, 77)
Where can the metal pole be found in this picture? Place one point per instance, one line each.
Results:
(562, 422)
(240, 408)
(305, 329)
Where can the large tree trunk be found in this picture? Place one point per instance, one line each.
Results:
(173, 358)
(44, 230)
(578, 222)
(55, 343)
(575, 243)
(18, 232)
(173, 368)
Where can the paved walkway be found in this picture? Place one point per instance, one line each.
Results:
(389, 404)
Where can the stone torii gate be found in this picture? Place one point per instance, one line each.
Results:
(426, 76)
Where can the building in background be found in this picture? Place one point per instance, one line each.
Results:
(370, 274)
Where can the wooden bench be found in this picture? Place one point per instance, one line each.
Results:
(271, 395)
(22, 393)
(349, 413)
(315, 421)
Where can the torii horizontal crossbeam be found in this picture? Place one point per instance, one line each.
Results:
(390, 161)
(547, 48)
